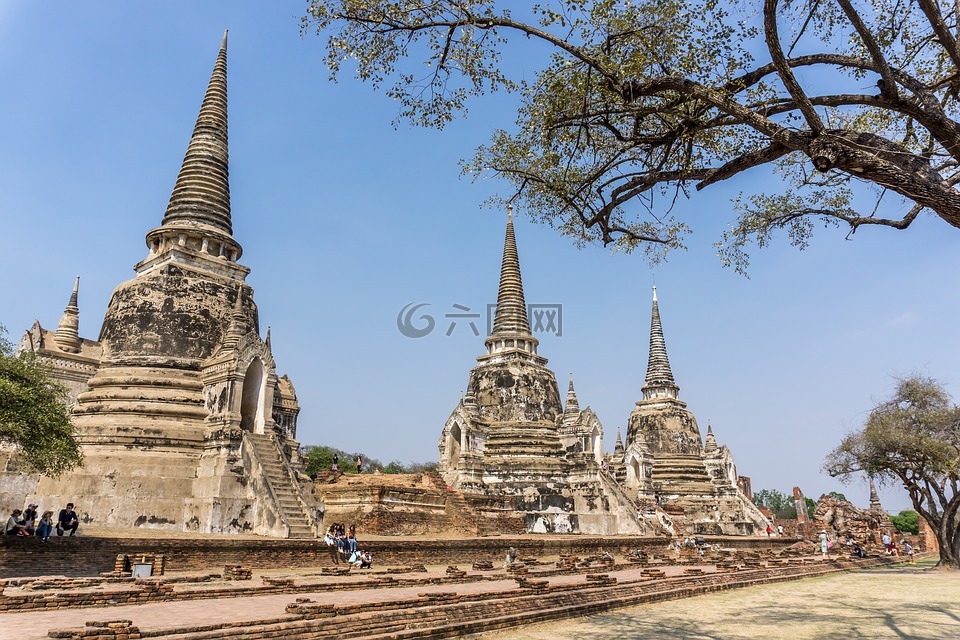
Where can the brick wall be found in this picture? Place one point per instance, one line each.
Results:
(88, 556)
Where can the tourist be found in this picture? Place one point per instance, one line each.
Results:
(887, 543)
(909, 549)
(15, 526)
(769, 531)
(29, 518)
(46, 526)
(336, 463)
(366, 560)
(355, 559)
(824, 544)
(359, 464)
(352, 539)
(511, 557)
(780, 530)
(67, 520)
(857, 551)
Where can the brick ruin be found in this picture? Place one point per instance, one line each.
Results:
(183, 421)
(843, 520)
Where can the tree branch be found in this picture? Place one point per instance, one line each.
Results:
(783, 69)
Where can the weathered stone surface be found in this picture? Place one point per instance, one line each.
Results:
(176, 402)
(665, 462)
(510, 435)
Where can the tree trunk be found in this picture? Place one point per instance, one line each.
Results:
(948, 537)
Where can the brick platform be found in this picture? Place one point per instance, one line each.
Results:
(89, 556)
(443, 613)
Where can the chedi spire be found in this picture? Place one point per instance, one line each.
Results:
(571, 410)
(710, 443)
(67, 336)
(659, 381)
(201, 195)
(511, 328)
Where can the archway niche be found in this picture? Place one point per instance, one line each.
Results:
(634, 473)
(456, 443)
(251, 398)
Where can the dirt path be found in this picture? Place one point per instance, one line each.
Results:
(903, 602)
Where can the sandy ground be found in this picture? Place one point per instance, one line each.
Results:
(905, 602)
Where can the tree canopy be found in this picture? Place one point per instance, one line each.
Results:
(907, 521)
(781, 504)
(34, 415)
(912, 439)
(638, 103)
(320, 458)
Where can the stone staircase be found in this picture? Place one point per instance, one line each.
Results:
(683, 473)
(289, 501)
(466, 517)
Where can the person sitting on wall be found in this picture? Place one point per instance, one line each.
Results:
(45, 528)
(366, 560)
(15, 526)
(352, 538)
(29, 518)
(67, 520)
(857, 551)
(511, 557)
(354, 559)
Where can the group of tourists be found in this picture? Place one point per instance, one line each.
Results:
(335, 464)
(891, 549)
(343, 542)
(25, 523)
(856, 550)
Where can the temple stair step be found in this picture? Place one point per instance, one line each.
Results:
(289, 501)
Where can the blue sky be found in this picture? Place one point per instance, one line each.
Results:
(344, 220)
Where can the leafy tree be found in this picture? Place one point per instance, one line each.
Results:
(781, 504)
(640, 103)
(907, 521)
(811, 505)
(320, 458)
(912, 439)
(33, 413)
(837, 496)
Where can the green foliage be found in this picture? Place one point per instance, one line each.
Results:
(837, 496)
(33, 414)
(913, 440)
(320, 458)
(627, 107)
(907, 521)
(811, 506)
(781, 504)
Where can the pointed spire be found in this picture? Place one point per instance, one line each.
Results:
(874, 497)
(571, 410)
(511, 315)
(710, 443)
(659, 381)
(618, 447)
(511, 328)
(267, 341)
(67, 337)
(237, 328)
(201, 195)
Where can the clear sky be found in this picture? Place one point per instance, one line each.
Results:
(344, 220)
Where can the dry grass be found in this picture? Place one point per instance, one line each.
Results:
(905, 602)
